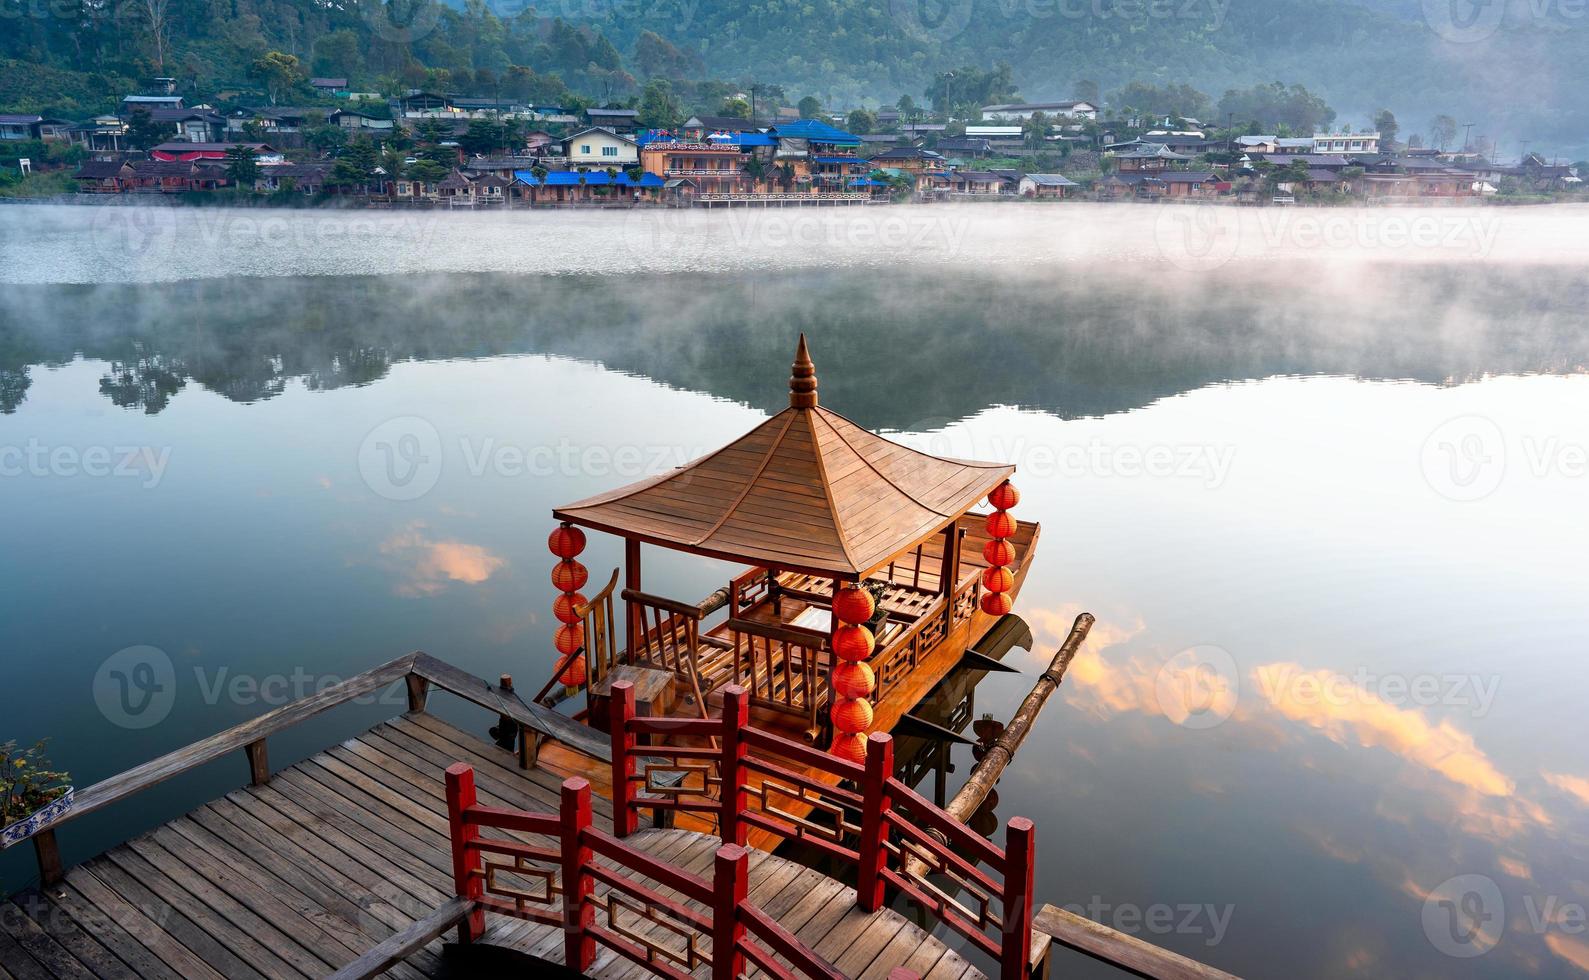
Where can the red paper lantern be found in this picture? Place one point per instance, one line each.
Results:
(566, 607)
(570, 637)
(569, 575)
(1004, 496)
(999, 552)
(852, 715)
(853, 680)
(853, 642)
(854, 605)
(850, 746)
(566, 541)
(998, 579)
(1001, 525)
(573, 673)
(997, 603)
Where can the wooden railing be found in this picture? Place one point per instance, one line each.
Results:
(870, 820)
(783, 669)
(421, 673)
(683, 906)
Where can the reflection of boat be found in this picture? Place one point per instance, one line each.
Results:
(816, 506)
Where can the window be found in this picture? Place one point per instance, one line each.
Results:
(609, 151)
(584, 148)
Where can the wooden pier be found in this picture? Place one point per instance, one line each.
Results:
(343, 862)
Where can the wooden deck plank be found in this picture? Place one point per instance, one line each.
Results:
(117, 935)
(171, 936)
(45, 950)
(83, 946)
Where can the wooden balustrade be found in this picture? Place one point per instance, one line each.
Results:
(871, 820)
(783, 668)
(742, 934)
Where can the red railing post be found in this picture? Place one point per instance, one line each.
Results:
(730, 884)
(736, 717)
(1019, 854)
(875, 802)
(621, 709)
(579, 914)
(465, 862)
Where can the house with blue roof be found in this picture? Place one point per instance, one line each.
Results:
(573, 186)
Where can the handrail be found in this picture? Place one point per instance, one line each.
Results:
(741, 932)
(419, 670)
(883, 842)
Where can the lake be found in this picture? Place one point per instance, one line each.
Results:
(1321, 475)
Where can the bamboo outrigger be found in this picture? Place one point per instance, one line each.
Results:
(813, 504)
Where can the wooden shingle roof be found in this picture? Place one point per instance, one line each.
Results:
(807, 490)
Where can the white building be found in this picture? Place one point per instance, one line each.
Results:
(1346, 143)
(1021, 111)
(598, 147)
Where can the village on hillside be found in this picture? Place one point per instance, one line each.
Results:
(427, 149)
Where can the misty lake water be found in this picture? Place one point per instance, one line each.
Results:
(1335, 458)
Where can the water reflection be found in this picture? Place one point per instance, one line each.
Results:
(948, 342)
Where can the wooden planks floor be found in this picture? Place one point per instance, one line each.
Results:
(297, 877)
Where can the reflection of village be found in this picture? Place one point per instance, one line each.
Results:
(605, 157)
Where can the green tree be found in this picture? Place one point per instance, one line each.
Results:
(241, 167)
(907, 108)
(1385, 122)
(735, 107)
(355, 165)
(425, 171)
(325, 139)
(482, 137)
(337, 54)
(1442, 130)
(143, 132)
(860, 121)
(809, 107)
(281, 73)
(659, 107)
(1087, 91)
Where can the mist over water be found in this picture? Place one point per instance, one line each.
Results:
(1345, 449)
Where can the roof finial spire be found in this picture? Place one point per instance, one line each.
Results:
(803, 379)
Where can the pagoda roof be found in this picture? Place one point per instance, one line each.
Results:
(807, 490)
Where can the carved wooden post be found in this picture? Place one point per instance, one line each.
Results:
(1019, 855)
(48, 852)
(465, 862)
(875, 804)
(736, 717)
(633, 630)
(621, 708)
(579, 914)
(418, 691)
(730, 883)
(258, 762)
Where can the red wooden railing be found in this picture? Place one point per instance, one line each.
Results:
(567, 895)
(868, 818)
(864, 818)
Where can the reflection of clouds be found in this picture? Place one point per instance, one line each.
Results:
(1094, 684)
(428, 566)
(1371, 722)
(1574, 786)
(1570, 948)
(1512, 866)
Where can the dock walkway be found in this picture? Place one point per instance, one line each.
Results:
(308, 872)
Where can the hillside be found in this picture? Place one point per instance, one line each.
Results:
(1522, 79)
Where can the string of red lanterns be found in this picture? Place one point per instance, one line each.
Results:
(998, 581)
(568, 577)
(853, 680)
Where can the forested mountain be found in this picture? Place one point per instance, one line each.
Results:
(1519, 78)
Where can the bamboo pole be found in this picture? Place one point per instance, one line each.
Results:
(987, 772)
